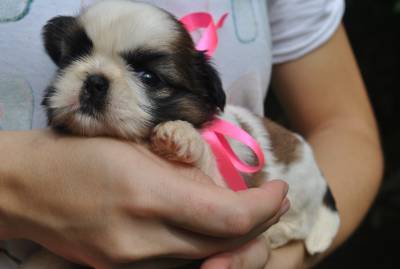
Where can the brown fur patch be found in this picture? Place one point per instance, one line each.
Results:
(284, 144)
(257, 179)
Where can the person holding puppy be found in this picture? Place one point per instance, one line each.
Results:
(60, 215)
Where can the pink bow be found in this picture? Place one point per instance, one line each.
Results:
(229, 164)
(209, 40)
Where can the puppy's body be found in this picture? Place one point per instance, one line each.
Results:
(312, 216)
(130, 70)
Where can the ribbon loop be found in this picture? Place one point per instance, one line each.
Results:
(228, 162)
(209, 39)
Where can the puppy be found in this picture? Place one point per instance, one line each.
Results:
(130, 70)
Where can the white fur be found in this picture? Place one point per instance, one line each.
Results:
(323, 231)
(124, 116)
(130, 25)
(127, 26)
(307, 219)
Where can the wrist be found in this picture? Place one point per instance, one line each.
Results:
(15, 157)
(8, 165)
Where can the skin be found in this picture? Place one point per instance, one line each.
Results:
(82, 197)
(325, 99)
(329, 107)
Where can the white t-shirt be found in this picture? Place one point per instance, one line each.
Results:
(256, 34)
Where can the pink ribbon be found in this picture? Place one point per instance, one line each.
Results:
(209, 39)
(228, 162)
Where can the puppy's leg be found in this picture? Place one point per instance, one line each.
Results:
(44, 259)
(180, 141)
(177, 141)
(317, 226)
(325, 227)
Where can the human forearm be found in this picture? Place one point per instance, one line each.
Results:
(63, 192)
(325, 100)
(12, 149)
(351, 159)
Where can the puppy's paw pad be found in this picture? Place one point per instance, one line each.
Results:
(177, 141)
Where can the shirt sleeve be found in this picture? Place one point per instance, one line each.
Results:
(300, 26)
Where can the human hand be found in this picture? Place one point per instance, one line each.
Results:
(290, 256)
(253, 255)
(108, 203)
(258, 255)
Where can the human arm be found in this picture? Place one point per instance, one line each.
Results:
(104, 202)
(325, 99)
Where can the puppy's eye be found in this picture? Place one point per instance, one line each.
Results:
(148, 77)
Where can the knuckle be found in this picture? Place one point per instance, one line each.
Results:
(120, 252)
(133, 201)
(141, 206)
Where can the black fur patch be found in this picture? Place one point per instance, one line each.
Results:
(93, 95)
(142, 57)
(65, 40)
(48, 93)
(329, 200)
(208, 77)
(191, 89)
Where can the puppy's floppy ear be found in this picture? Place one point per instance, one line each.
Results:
(54, 34)
(63, 38)
(209, 79)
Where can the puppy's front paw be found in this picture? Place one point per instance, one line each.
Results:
(177, 141)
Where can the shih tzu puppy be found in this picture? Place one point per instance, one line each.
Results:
(130, 70)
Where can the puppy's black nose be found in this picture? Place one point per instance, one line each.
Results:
(94, 94)
(97, 84)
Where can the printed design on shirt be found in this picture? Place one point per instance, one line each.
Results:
(14, 10)
(16, 103)
(244, 20)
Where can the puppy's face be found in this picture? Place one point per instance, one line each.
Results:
(125, 67)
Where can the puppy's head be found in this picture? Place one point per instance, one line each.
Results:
(125, 67)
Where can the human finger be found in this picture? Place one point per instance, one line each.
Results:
(212, 210)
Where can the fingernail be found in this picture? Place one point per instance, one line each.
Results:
(285, 189)
(284, 207)
(285, 186)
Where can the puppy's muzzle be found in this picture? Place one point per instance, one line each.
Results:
(94, 94)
